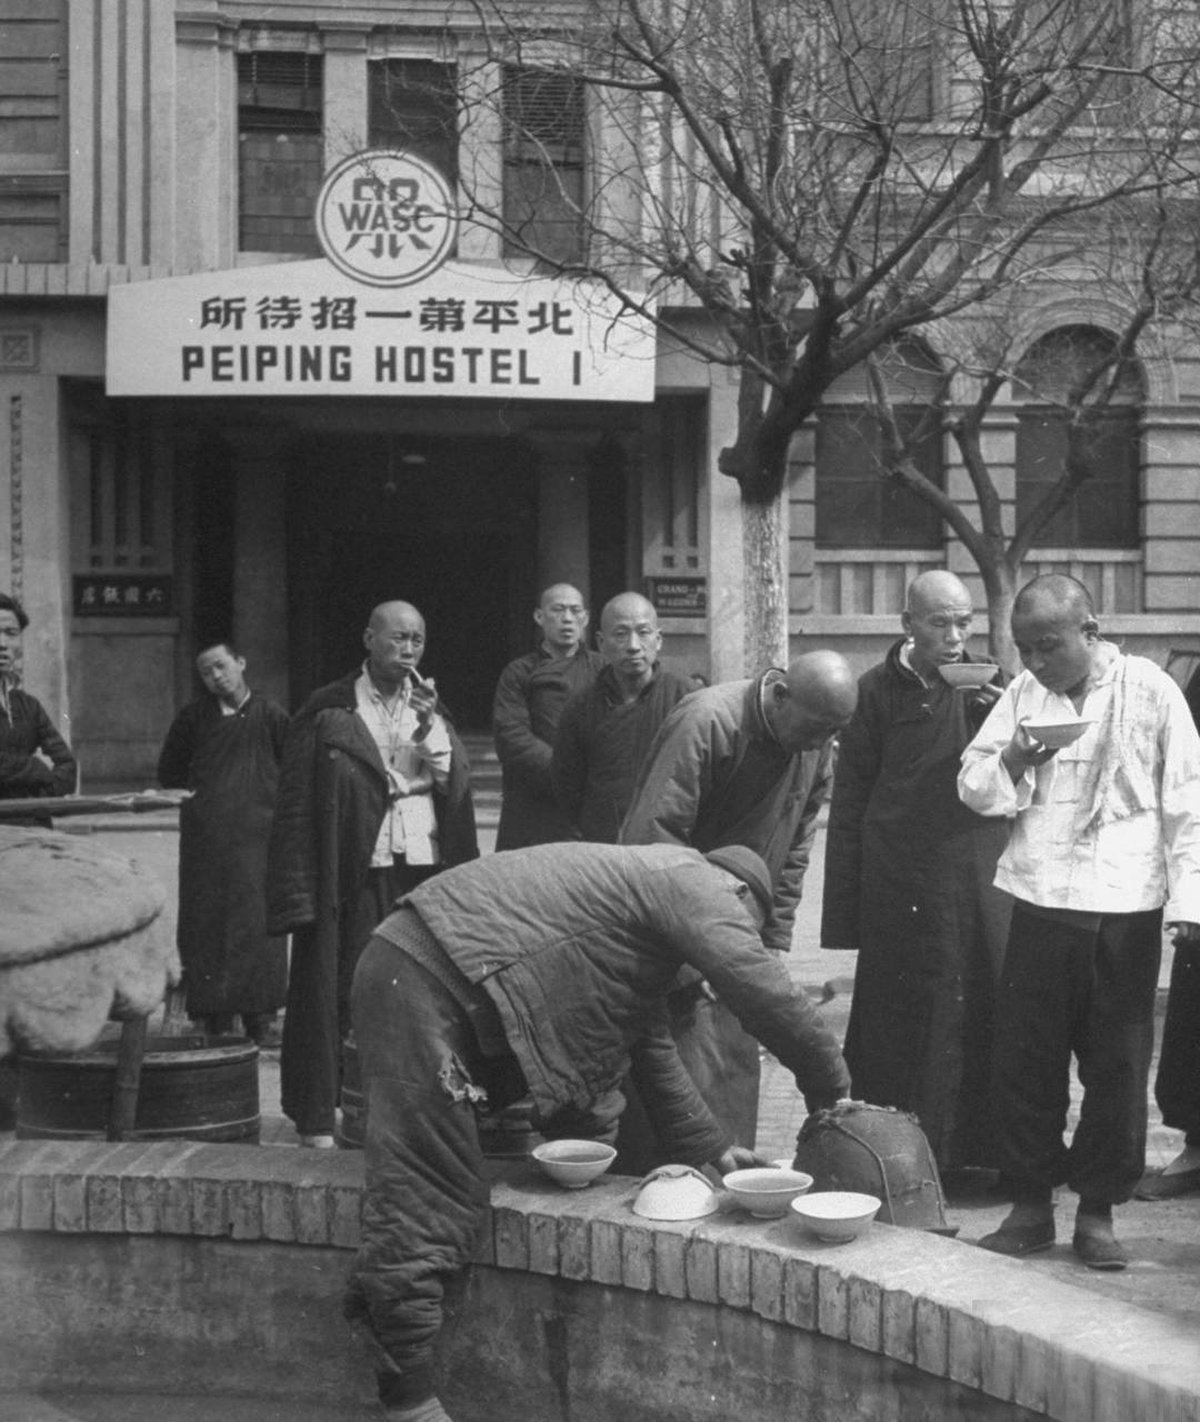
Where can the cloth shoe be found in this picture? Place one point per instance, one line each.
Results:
(1095, 1243)
(1026, 1229)
(318, 1142)
(1157, 1185)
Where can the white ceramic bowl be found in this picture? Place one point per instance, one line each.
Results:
(967, 675)
(836, 1215)
(1056, 734)
(675, 1192)
(574, 1163)
(766, 1191)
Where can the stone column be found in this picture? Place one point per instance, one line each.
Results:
(345, 94)
(563, 463)
(260, 572)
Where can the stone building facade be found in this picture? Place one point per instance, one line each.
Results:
(153, 143)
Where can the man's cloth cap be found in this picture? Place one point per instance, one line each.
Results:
(745, 865)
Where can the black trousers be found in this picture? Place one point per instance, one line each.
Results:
(1177, 1086)
(1086, 990)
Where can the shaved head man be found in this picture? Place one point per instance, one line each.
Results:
(395, 643)
(562, 615)
(527, 707)
(908, 884)
(750, 763)
(606, 730)
(630, 640)
(937, 617)
(1104, 844)
(374, 797)
(813, 702)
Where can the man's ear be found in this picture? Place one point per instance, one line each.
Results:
(906, 621)
(538, 617)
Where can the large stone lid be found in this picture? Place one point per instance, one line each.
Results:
(80, 940)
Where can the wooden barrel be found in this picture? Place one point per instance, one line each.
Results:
(194, 1087)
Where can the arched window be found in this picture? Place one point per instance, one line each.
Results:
(1104, 511)
(857, 507)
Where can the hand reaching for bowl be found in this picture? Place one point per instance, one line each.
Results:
(738, 1158)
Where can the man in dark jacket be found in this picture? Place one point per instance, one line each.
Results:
(908, 883)
(374, 796)
(35, 761)
(226, 747)
(746, 762)
(542, 971)
(606, 730)
(530, 697)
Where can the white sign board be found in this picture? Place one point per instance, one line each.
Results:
(304, 328)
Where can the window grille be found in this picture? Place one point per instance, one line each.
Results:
(544, 125)
(280, 151)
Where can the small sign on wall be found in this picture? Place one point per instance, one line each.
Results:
(678, 597)
(123, 595)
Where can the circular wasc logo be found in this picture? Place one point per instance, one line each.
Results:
(386, 218)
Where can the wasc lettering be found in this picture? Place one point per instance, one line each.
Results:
(246, 365)
(462, 365)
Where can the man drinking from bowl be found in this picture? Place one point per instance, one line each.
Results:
(908, 880)
(1105, 831)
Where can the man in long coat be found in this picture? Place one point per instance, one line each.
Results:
(605, 731)
(226, 748)
(529, 700)
(340, 813)
(750, 763)
(908, 883)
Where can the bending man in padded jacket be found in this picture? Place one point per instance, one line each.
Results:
(542, 970)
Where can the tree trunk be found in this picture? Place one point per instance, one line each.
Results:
(765, 585)
(1000, 584)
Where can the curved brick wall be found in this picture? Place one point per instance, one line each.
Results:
(870, 1319)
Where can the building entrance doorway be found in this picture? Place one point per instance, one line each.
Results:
(449, 525)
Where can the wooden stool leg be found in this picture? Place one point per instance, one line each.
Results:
(130, 1052)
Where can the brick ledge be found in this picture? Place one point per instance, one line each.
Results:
(945, 1306)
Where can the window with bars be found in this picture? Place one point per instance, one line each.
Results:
(1105, 510)
(544, 122)
(857, 505)
(413, 108)
(33, 151)
(883, 59)
(676, 439)
(123, 477)
(280, 151)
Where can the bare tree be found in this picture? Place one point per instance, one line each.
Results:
(817, 178)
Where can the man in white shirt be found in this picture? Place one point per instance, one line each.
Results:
(1105, 832)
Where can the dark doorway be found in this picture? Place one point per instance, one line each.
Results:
(448, 525)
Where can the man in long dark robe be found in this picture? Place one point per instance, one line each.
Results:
(750, 763)
(606, 730)
(908, 883)
(530, 696)
(226, 747)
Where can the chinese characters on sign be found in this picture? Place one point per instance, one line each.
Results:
(122, 595)
(300, 328)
